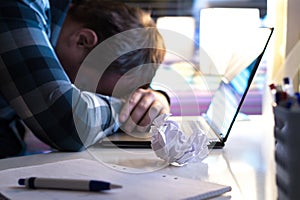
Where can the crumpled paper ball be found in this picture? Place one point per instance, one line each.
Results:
(170, 143)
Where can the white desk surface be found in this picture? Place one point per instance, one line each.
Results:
(246, 163)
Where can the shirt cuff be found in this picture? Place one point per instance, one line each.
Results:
(165, 94)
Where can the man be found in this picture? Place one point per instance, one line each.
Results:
(36, 90)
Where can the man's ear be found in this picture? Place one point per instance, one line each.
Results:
(87, 38)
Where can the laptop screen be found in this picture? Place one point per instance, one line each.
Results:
(228, 98)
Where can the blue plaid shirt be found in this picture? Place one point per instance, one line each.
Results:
(35, 90)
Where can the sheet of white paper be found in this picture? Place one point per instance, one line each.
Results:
(172, 145)
(135, 186)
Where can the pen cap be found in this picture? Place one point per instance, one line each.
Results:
(288, 86)
(21, 181)
(272, 86)
(286, 81)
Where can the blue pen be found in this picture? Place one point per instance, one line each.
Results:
(288, 86)
(67, 184)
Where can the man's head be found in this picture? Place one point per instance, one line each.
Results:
(90, 22)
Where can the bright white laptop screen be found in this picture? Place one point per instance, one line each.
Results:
(228, 98)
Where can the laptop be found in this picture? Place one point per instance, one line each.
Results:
(220, 116)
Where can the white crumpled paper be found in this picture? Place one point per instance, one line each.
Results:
(170, 143)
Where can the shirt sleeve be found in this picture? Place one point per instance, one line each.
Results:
(34, 83)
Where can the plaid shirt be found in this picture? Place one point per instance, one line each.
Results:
(34, 86)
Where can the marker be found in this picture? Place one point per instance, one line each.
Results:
(67, 184)
(288, 86)
(273, 89)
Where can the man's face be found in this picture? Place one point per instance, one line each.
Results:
(117, 85)
(69, 49)
(109, 83)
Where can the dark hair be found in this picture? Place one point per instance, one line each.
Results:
(108, 18)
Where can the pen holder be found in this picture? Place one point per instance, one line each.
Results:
(287, 149)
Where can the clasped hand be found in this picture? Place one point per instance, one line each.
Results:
(141, 108)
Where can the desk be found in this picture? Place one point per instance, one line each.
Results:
(246, 163)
